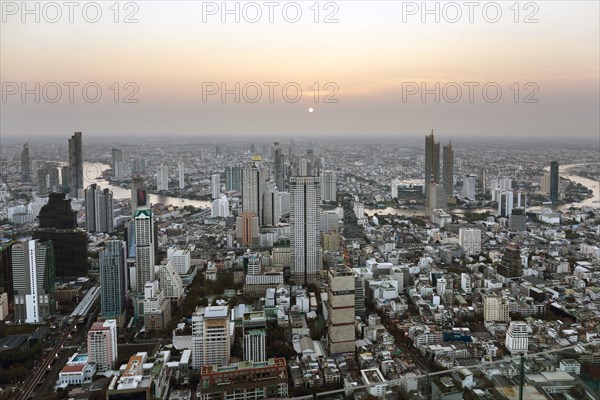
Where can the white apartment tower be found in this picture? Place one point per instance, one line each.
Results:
(181, 172)
(162, 178)
(517, 338)
(470, 240)
(144, 246)
(254, 335)
(181, 258)
(102, 344)
(305, 218)
(328, 185)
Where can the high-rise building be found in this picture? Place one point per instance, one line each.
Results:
(58, 223)
(448, 168)
(254, 326)
(495, 308)
(554, 181)
(170, 282)
(468, 189)
(271, 206)
(162, 178)
(247, 229)
(465, 283)
(359, 298)
(279, 167)
(117, 159)
(210, 336)
(517, 338)
(75, 164)
(99, 209)
(505, 204)
(432, 161)
(470, 240)
(305, 215)
(102, 345)
(138, 193)
(6, 274)
(182, 259)
(25, 164)
(254, 185)
(157, 308)
(436, 198)
(144, 247)
(233, 178)
(220, 207)
(340, 310)
(215, 180)
(113, 279)
(328, 186)
(181, 171)
(47, 180)
(511, 265)
(33, 270)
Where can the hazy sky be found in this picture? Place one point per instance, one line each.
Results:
(380, 55)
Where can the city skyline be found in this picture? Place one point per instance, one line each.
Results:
(371, 55)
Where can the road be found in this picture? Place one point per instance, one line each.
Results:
(31, 383)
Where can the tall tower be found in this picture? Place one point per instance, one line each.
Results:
(432, 161)
(254, 185)
(113, 283)
(233, 178)
(279, 167)
(33, 268)
(215, 180)
(328, 185)
(75, 164)
(144, 247)
(448, 168)
(25, 164)
(341, 310)
(162, 178)
(99, 209)
(181, 172)
(117, 162)
(102, 344)
(554, 181)
(210, 336)
(138, 193)
(305, 214)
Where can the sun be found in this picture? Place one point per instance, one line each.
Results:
(310, 109)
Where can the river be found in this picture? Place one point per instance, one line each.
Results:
(92, 173)
(589, 202)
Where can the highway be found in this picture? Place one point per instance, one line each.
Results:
(29, 386)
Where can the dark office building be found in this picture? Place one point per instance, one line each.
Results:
(554, 181)
(25, 164)
(75, 164)
(6, 275)
(58, 223)
(432, 161)
(510, 265)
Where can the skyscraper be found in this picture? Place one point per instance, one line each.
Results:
(517, 338)
(58, 223)
(113, 281)
(144, 247)
(340, 310)
(511, 266)
(554, 181)
(210, 336)
(215, 180)
(47, 180)
(233, 178)
(117, 159)
(279, 167)
(254, 185)
(102, 345)
(448, 168)
(99, 209)
(272, 206)
(432, 161)
(162, 178)
(468, 191)
(505, 204)
(138, 193)
(181, 171)
(33, 268)
(254, 336)
(25, 164)
(305, 242)
(328, 186)
(75, 164)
